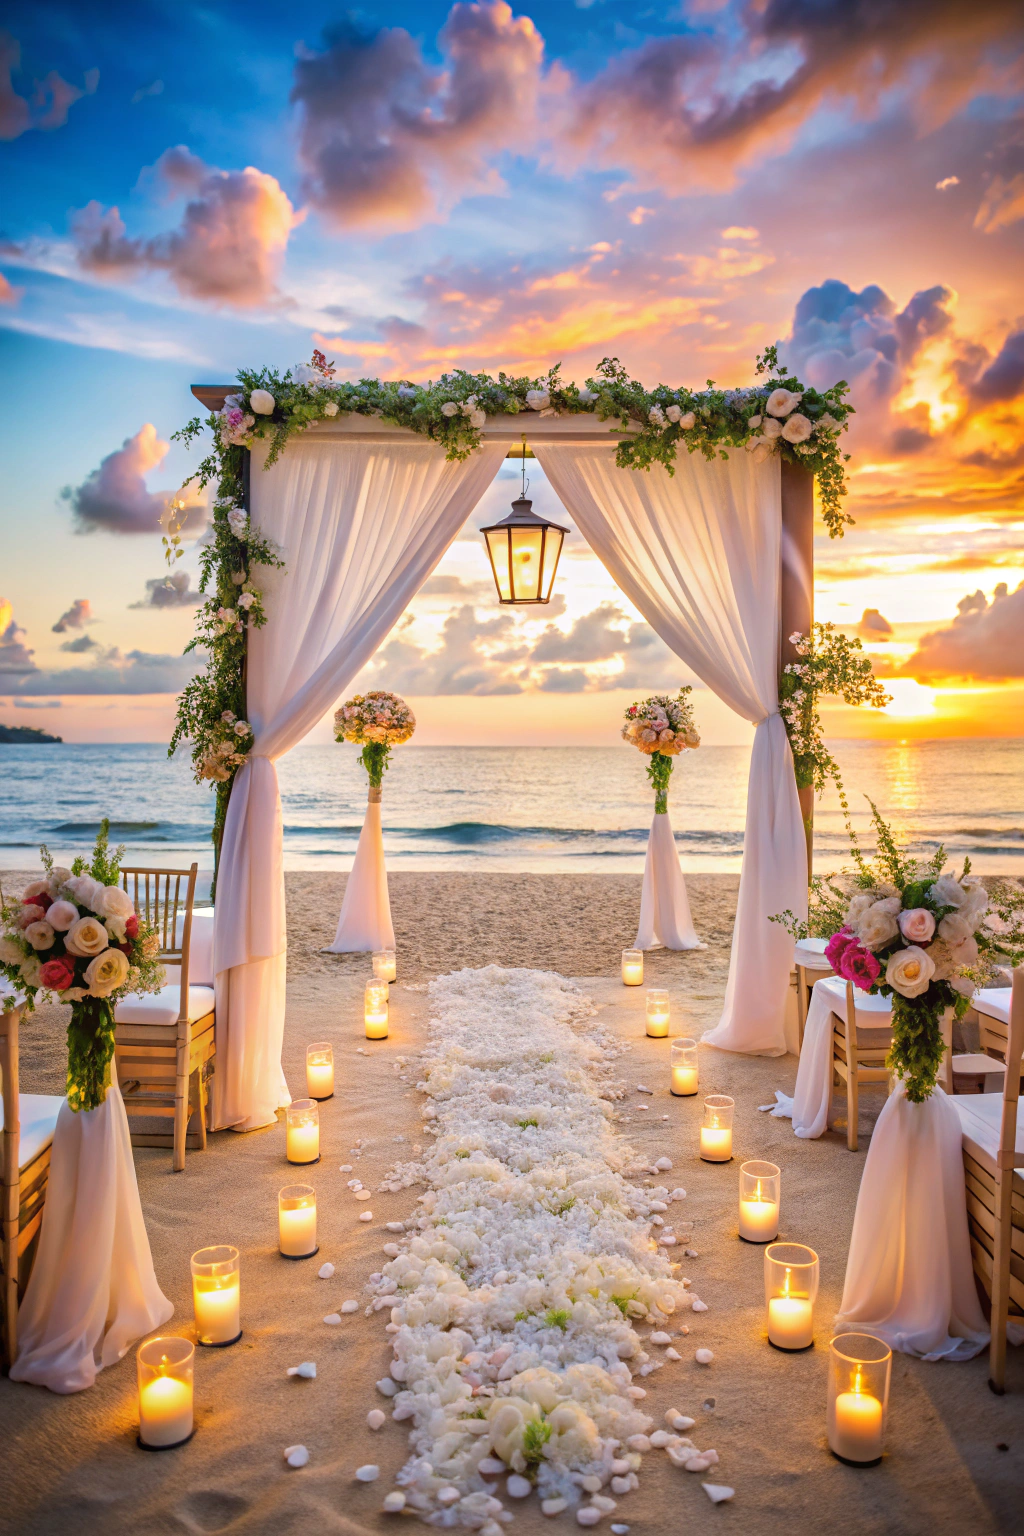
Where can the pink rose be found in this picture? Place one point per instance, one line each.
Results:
(917, 925)
(30, 913)
(836, 945)
(57, 974)
(860, 966)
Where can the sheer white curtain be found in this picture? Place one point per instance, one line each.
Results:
(361, 525)
(697, 552)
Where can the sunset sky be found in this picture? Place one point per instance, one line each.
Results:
(189, 189)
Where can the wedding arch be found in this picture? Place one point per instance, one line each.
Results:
(336, 501)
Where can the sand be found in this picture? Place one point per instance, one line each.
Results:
(955, 1453)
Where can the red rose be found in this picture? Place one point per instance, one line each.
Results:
(125, 948)
(131, 927)
(58, 974)
(43, 900)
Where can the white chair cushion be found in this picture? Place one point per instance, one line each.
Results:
(38, 1115)
(810, 953)
(981, 1118)
(993, 1001)
(978, 1065)
(873, 1010)
(162, 1007)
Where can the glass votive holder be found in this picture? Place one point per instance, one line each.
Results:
(716, 1132)
(302, 1131)
(320, 1070)
(790, 1291)
(760, 1196)
(385, 966)
(858, 1397)
(296, 1221)
(375, 1010)
(683, 1062)
(657, 1013)
(216, 1295)
(164, 1369)
(632, 967)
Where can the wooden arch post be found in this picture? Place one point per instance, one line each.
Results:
(796, 594)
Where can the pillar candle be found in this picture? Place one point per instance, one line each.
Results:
(716, 1143)
(165, 1411)
(385, 966)
(857, 1426)
(217, 1304)
(684, 1081)
(790, 1322)
(759, 1218)
(319, 1071)
(303, 1141)
(632, 967)
(297, 1230)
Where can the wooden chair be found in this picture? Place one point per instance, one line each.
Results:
(164, 1042)
(993, 1142)
(810, 966)
(859, 1045)
(28, 1125)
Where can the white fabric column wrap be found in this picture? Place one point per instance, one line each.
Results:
(665, 921)
(361, 525)
(697, 553)
(365, 921)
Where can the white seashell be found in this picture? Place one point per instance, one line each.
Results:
(364, 1194)
(680, 1422)
(345, 1168)
(660, 1439)
(392, 1250)
(603, 1503)
(555, 1506)
(717, 1492)
(307, 1370)
(350, 1306)
(367, 1474)
(666, 1240)
(365, 1215)
(711, 1457)
(448, 1495)
(354, 1184)
(591, 1483)
(698, 1305)
(657, 1221)
(643, 1106)
(620, 1466)
(661, 1338)
(491, 1466)
(588, 1515)
(663, 1164)
(376, 1418)
(658, 1205)
(638, 1443)
(695, 1464)
(704, 1357)
(296, 1455)
(387, 1386)
(395, 1226)
(672, 1354)
(618, 1530)
(518, 1487)
(393, 1502)
(636, 1393)
(620, 1485)
(641, 1088)
(679, 1194)
(332, 1319)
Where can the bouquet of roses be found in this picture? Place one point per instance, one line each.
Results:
(224, 748)
(377, 721)
(662, 726)
(74, 933)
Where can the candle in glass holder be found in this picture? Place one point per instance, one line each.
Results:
(320, 1071)
(216, 1295)
(858, 1393)
(164, 1368)
(657, 1013)
(632, 967)
(385, 966)
(302, 1133)
(296, 1221)
(683, 1065)
(790, 1287)
(716, 1132)
(760, 1195)
(375, 1012)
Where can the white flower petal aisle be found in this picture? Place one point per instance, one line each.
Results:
(515, 1288)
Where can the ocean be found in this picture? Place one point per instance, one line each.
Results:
(525, 808)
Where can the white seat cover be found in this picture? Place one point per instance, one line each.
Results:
(810, 953)
(834, 989)
(162, 1007)
(993, 1001)
(37, 1113)
(200, 948)
(981, 1118)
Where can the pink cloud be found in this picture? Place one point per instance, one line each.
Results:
(985, 640)
(77, 616)
(51, 99)
(115, 496)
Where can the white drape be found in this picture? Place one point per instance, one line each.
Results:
(665, 920)
(697, 553)
(365, 921)
(361, 525)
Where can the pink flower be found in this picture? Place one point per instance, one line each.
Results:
(917, 925)
(131, 927)
(57, 974)
(860, 966)
(31, 912)
(836, 945)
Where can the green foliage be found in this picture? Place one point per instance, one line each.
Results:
(917, 1048)
(522, 1124)
(622, 1302)
(557, 1317)
(105, 866)
(374, 758)
(659, 771)
(90, 1052)
(536, 1435)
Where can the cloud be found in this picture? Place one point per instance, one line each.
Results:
(984, 641)
(1002, 204)
(947, 182)
(114, 496)
(386, 140)
(15, 657)
(1003, 379)
(83, 644)
(112, 672)
(37, 703)
(156, 88)
(9, 294)
(874, 626)
(77, 616)
(51, 100)
(171, 591)
(228, 247)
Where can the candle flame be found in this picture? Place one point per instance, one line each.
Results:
(785, 1288)
(856, 1383)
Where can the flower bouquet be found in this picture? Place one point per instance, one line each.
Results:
(75, 933)
(377, 721)
(224, 748)
(662, 727)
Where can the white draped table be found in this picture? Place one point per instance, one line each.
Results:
(809, 1106)
(93, 1290)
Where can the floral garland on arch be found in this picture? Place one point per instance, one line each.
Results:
(376, 721)
(662, 726)
(75, 934)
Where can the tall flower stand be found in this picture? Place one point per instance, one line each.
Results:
(365, 922)
(665, 921)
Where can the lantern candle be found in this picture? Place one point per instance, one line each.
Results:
(296, 1221)
(375, 1011)
(790, 1285)
(385, 967)
(320, 1071)
(760, 1192)
(858, 1392)
(683, 1054)
(164, 1368)
(657, 1013)
(716, 1132)
(632, 967)
(216, 1295)
(302, 1134)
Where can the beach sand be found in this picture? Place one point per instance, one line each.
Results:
(955, 1453)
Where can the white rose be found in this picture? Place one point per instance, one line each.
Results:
(246, 600)
(947, 892)
(965, 953)
(30, 971)
(877, 927)
(976, 905)
(858, 906)
(86, 891)
(782, 401)
(11, 952)
(115, 927)
(331, 408)
(449, 408)
(909, 971)
(106, 973)
(917, 925)
(772, 428)
(538, 399)
(262, 402)
(962, 984)
(954, 928)
(87, 936)
(36, 888)
(61, 914)
(478, 418)
(797, 429)
(58, 877)
(688, 421)
(238, 522)
(586, 396)
(755, 421)
(116, 903)
(891, 904)
(242, 728)
(40, 935)
(673, 412)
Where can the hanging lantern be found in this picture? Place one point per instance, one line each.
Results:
(524, 550)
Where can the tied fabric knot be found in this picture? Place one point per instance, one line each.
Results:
(374, 794)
